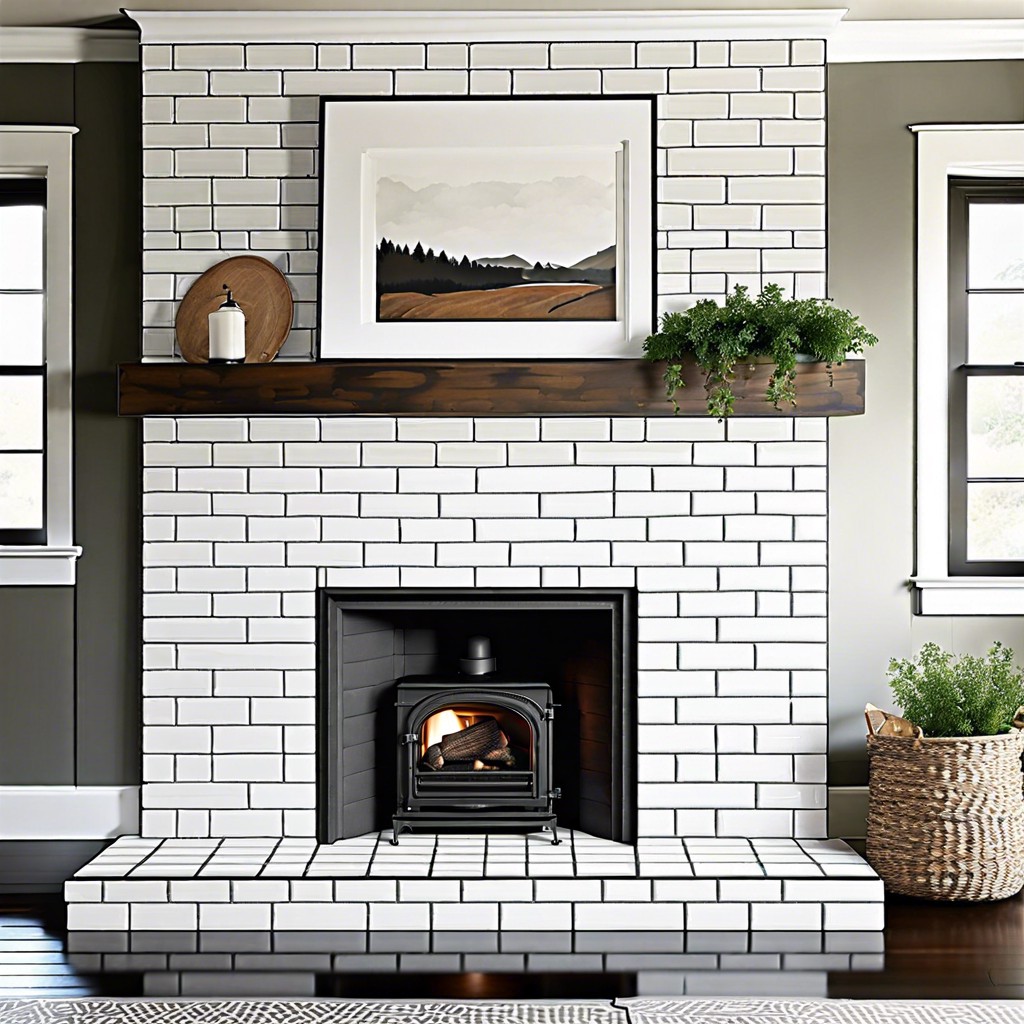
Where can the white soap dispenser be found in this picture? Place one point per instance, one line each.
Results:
(227, 332)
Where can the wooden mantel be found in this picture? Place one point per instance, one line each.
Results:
(578, 387)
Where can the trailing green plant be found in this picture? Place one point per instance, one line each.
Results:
(721, 336)
(965, 696)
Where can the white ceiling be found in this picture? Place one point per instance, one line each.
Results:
(93, 12)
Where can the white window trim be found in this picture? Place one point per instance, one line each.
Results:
(46, 150)
(978, 150)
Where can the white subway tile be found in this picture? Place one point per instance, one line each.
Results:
(388, 55)
(568, 429)
(730, 160)
(548, 479)
(796, 79)
(509, 55)
(694, 105)
(358, 429)
(616, 917)
(206, 56)
(497, 83)
(471, 454)
(759, 52)
(206, 109)
(447, 55)
(435, 480)
(714, 79)
(354, 83)
(639, 80)
(551, 82)
(246, 191)
(777, 189)
(665, 55)
(429, 83)
(283, 430)
(320, 917)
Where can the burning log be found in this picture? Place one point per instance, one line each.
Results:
(478, 740)
(483, 743)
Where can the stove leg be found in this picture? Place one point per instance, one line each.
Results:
(555, 841)
(395, 830)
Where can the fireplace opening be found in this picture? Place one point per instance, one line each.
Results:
(547, 686)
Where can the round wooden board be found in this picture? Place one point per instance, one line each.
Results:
(262, 292)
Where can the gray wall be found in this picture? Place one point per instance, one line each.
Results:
(69, 656)
(871, 169)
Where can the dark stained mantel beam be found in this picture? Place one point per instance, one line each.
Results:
(432, 387)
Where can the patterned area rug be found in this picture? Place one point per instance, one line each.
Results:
(625, 1011)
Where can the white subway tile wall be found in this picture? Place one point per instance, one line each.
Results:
(245, 518)
(231, 161)
(721, 528)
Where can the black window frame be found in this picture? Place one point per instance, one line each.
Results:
(963, 193)
(26, 191)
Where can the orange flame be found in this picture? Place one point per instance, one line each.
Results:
(440, 724)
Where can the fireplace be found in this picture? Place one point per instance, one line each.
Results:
(532, 727)
(475, 750)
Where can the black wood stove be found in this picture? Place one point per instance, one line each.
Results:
(474, 750)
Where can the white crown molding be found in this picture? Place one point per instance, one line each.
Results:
(67, 45)
(68, 812)
(478, 26)
(849, 41)
(858, 42)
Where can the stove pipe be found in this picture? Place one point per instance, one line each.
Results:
(478, 660)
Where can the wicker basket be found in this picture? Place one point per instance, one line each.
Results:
(946, 815)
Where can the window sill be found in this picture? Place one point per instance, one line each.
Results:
(970, 595)
(38, 566)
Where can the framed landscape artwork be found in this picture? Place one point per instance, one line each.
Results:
(486, 228)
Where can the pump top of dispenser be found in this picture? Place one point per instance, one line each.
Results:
(229, 302)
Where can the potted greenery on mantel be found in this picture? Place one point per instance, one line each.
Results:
(770, 328)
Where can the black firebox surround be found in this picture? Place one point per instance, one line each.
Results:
(356, 723)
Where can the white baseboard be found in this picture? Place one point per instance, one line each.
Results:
(68, 812)
(847, 812)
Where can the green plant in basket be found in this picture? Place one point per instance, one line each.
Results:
(720, 337)
(965, 696)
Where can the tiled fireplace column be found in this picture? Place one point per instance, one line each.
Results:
(719, 528)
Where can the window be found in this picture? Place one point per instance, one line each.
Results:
(970, 388)
(22, 362)
(986, 386)
(35, 357)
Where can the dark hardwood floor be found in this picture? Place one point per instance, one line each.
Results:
(945, 951)
(33, 958)
(932, 951)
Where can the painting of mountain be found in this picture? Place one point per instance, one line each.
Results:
(441, 215)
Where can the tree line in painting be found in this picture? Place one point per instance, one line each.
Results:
(404, 273)
(400, 268)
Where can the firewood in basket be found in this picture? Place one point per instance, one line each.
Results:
(883, 723)
(473, 742)
(433, 758)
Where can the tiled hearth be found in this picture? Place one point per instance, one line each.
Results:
(698, 915)
(499, 855)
